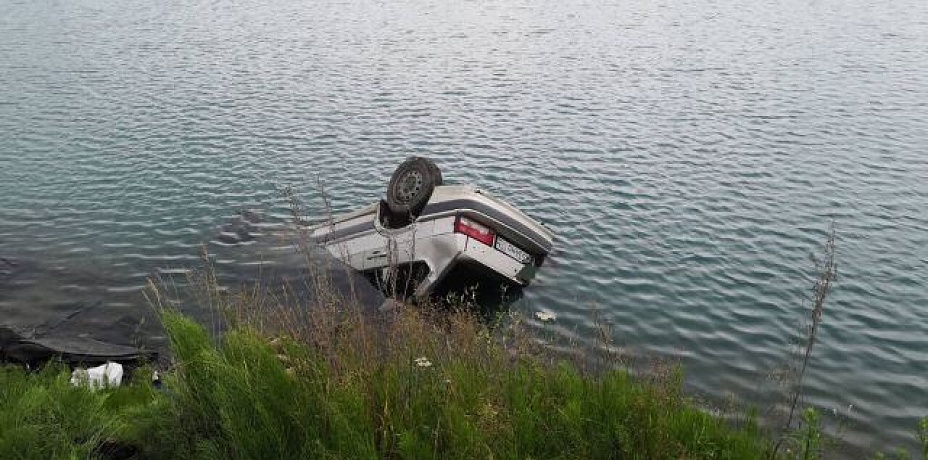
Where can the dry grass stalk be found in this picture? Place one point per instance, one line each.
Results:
(827, 272)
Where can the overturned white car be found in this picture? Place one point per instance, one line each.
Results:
(422, 232)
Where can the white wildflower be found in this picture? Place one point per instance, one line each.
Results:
(423, 362)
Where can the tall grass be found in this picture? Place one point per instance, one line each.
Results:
(436, 391)
(42, 415)
(415, 384)
(806, 440)
(329, 379)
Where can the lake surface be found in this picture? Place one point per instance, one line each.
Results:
(690, 155)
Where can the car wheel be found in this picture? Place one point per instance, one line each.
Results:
(411, 186)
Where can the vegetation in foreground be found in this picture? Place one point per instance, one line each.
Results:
(413, 386)
(331, 381)
(328, 380)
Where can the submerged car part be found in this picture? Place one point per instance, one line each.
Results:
(454, 225)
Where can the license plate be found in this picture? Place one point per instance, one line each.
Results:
(512, 251)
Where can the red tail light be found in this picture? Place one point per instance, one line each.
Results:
(479, 232)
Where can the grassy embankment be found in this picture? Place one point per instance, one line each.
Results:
(327, 382)
(417, 384)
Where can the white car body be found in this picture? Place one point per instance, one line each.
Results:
(459, 225)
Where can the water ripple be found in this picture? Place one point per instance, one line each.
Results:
(689, 156)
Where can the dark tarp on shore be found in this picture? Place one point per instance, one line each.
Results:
(86, 317)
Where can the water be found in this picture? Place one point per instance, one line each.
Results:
(689, 154)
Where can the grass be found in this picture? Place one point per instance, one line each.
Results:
(328, 380)
(42, 415)
(418, 383)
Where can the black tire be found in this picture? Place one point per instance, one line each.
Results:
(411, 186)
